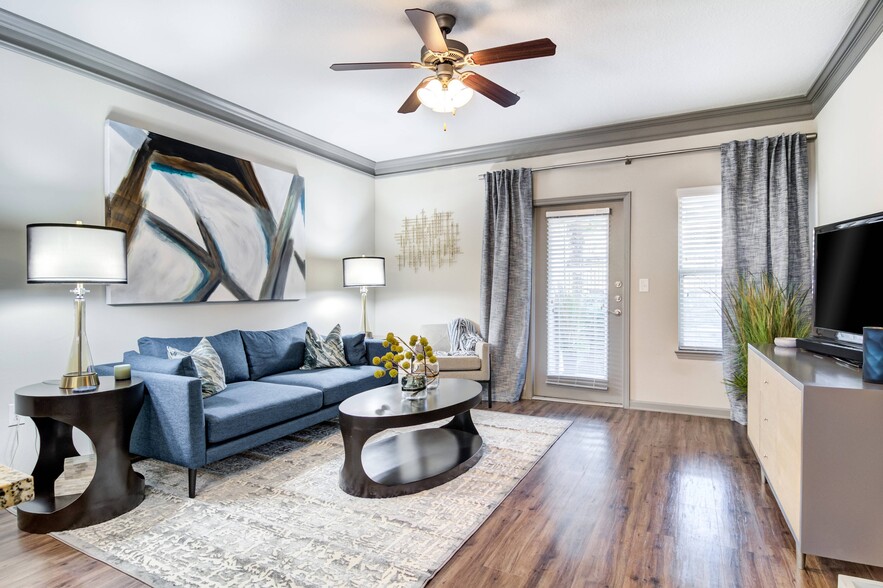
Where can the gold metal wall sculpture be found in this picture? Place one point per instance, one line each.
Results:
(428, 241)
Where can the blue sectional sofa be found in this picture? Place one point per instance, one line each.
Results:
(267, 394)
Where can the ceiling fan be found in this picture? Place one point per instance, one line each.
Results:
(450, 87)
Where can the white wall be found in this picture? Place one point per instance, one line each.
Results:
(657, 375)
(51, 170)
(850, 143)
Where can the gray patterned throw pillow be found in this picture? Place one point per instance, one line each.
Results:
(208, 366)
(324, 352)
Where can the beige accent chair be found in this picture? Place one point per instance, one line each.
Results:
(467, 367)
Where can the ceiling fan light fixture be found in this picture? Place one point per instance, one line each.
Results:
(444, 97)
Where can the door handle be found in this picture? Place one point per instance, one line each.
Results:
(617, 312)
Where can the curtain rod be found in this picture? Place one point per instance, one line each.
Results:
(629, 158)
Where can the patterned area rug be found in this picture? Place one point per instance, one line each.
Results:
(274, 516)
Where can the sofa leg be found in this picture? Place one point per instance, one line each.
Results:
(191, 482)
(490, 394)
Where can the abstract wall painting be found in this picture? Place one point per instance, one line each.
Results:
(428, 241)
(203, 226)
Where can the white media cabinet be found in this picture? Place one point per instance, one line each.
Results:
(817, 430)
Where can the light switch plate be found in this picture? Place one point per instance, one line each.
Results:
(643, 285)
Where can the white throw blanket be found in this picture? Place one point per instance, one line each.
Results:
(464, 336)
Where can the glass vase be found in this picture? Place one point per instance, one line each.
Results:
(413, 386)
(431, 372)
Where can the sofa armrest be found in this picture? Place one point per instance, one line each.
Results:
(106, 369)
(483, 350)
(171, 424)
(375, 348)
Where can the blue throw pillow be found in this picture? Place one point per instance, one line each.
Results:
(274, 352)
(355, 349)
(158, 365)
(228, 345)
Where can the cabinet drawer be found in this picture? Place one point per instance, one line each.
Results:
(789, 453)
(768, 411)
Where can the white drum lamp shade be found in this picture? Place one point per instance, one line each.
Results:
(77, 254)
(363, 273)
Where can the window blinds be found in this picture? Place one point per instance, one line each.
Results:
(699, 269)
(576, 297)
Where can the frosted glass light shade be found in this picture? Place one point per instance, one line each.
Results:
(444, 98)
(364, 271)
(61, 253)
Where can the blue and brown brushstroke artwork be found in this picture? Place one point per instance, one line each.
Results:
(203, 226)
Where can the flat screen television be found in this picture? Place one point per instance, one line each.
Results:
(847, 295)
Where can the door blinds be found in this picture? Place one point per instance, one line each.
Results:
(576, 297)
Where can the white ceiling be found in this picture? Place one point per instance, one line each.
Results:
(617, 60)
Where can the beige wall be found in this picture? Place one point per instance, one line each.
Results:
(657, 375)
(51, 170)
(851, 143)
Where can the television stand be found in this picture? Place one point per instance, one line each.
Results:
(849, 352)
(815, 428)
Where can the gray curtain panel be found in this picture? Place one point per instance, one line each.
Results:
(765, 207)
(506, 267)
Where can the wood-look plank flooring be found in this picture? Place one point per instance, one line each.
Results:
(624, 498)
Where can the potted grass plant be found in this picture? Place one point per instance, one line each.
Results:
(756, 310)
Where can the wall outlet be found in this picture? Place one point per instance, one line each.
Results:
(14, 419)
(643, 285)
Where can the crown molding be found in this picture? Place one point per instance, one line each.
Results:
(640, 131)
(35, 40)
(862, 33)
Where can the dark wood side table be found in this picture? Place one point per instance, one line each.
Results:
(106, 415)
(412, 461)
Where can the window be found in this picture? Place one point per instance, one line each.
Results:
(576, 297)
(699, 269)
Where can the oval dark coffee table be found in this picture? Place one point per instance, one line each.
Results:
(411, 461)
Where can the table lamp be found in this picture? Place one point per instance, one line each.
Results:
(77, 254)
(364, 272)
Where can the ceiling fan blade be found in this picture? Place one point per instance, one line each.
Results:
(515, 52)
(428, 29)
(375, 65)
(492, 90)
(413, 102)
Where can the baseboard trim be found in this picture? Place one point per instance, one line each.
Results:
(717, 413)
(572, 401)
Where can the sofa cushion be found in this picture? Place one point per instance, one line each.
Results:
(458, 363)
(245, 407)
(354, 349)
(228, 345)
(324, 352)
(271, 352)
(208, 366)
(337, 384)
(158, 365)
(437, 334)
